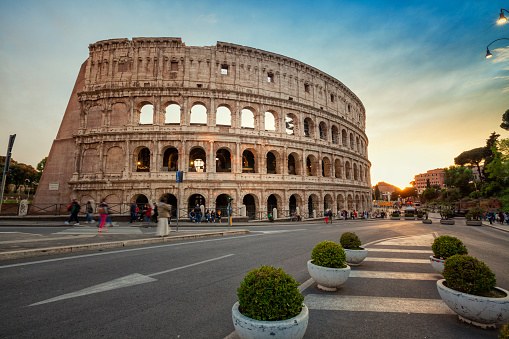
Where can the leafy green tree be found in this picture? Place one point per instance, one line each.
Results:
(459, 177)
(505, 120)
(395, 195)
(429, 194)
(497, 172)
(473, 157)
(40, 169)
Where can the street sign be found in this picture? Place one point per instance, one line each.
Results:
(180, 176)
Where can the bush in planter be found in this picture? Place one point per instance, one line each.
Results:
(474, 213)
(504, 334)
(350, 240)
(447, 214)
(409, 215)
(395, 215)
(328, 254)
(269, 294)
(466, 274)
(446, 246)
(420, 215)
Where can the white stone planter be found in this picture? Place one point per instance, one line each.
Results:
(437, 264)
(394, 218)
(248, 328)
(427, 221)
(355, 257)
(480, 311)
(328, 279)
(474, 223)
(447, 221)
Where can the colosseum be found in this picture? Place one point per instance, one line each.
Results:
(271, 132)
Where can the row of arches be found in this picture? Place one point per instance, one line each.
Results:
(247, 118)
(309, 205)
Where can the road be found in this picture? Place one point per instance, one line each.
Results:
(186, 289)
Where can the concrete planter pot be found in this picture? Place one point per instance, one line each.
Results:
(447, 221)
(479, 311)
(328, 279)
(437, 264)
(474, 223)
(395, 218)
(427, 221)
(248, 328)
(355, 257)
(409, 218)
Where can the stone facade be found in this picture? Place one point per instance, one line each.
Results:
(265, 129)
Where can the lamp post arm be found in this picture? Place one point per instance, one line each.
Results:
(496, 40)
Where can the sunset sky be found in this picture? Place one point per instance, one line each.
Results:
(418, 66)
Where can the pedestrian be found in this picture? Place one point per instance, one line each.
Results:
(218, 216)
(212, 216)
(197, 213)
(103, 213)
(207, 215)
(132, 211)
(89, 210)
(108, 212)
(326, 216)
(148, 213)
(164, 211)
(74, 208)
(192, 216)
(330, 216)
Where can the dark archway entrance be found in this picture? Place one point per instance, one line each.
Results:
(249, 201)
(222, 204)
(293, 204)
(193, 200)
(271, 203)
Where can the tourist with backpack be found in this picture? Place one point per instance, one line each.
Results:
(74, 208)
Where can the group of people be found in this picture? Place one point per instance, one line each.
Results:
(501, 217)
(195, 215)
(147, 213)
(102, 209)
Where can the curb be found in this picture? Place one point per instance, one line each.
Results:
(22, 254)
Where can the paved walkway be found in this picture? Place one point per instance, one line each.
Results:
(71, 239)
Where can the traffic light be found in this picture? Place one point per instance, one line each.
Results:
(230, 199)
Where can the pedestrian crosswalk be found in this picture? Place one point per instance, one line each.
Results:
(93, 230)
(409, 259)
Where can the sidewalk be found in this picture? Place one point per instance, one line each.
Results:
(72, 239)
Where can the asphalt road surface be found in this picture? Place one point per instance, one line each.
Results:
(187, 289)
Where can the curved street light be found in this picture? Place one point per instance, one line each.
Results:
(488, 54)
(502, 19)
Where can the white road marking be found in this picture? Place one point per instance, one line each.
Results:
(376, 304)
(392, 250)
(47, 239)
(130, 280)
(408, 261)
(394, 275)
(277, 231)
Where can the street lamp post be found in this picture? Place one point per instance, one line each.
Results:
(488, 54)
(502, 19)
(477, 191)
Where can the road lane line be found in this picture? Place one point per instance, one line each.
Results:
(376, 304)
(129, 280)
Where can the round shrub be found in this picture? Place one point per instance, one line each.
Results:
(446, 246)
(504, 333)
(350, 240)
(329, 254)
(269, 294)
(409, 215)
(395, 215)
(466, 274)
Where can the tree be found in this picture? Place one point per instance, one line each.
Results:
(497, 172)
(505, 120)
(408, 192)
(459, 177)
(429, 194)
(394, 196)
(490, 143)
(473, 157)
(40, 169)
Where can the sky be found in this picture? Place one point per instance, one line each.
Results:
(417, 66)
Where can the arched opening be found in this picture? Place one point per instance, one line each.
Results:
(140, 200)
(357, 202)
(344, 137)
(172, 114)
(292, 165)
(197, 160)
(195, 199)
(292, 206)
(248, 162)
(223, 161)
(222, 205)
(290, 124)
(308, 128)
(223, 116)
(340, 203)
(143, 160)
(322, 128)
(247, 118)
(249, 201)
(147, 115)
(271, 203)
(335, 135)
(271, 163)
(170, 160)
(349, 201)
(312, 205)
(327, 202)
(198, 115)
(357, 142)
(355, 172)
(270, 122)
(311, 165)
(351, 141)
(347, 170)
(172, 200)
(337, 169)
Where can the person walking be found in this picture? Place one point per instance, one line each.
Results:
(148, 213)
(164, 211)
(89, 210)
(154, 213)
(103, 213)
(197, 212)
(74, 208)
(330, 216)
(326, 216)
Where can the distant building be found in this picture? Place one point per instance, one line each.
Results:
(386, 190)
(435, 177)
(475, 170)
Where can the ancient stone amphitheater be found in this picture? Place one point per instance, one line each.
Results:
(265, 129)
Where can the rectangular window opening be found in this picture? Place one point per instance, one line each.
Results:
(270, 77)
(174, 66)
(224, 69)
(306, 88)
